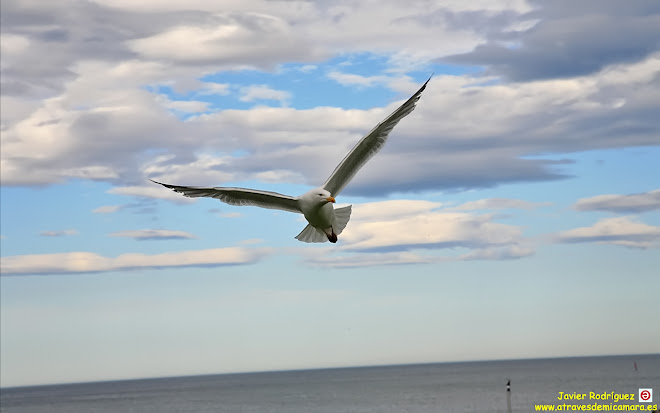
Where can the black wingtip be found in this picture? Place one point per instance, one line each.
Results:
(421, 89)
(160, 183)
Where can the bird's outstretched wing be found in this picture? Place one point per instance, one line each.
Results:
(369, 146)
(240, 196)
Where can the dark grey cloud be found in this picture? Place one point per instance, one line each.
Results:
(484, 22)
(445, 170)
(571, 38)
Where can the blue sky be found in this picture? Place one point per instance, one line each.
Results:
(513, 214)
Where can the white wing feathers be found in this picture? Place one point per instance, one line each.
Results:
(342, 215)
(312, 234)
(240, 196)
(368, 146)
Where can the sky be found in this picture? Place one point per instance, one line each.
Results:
(514, 214)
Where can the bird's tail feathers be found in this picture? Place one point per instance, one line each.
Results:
(311, 234)
(342, 215)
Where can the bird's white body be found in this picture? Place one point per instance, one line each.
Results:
(325, 222)
(318, 213)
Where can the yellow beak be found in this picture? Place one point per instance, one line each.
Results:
(330, 199)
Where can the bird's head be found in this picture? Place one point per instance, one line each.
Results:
(319, 196)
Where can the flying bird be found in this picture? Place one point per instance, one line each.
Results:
(325, 222)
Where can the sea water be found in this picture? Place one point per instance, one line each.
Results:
(445, 387)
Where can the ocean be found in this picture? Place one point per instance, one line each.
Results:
(443, 387)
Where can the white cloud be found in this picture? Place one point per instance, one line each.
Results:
(624, 231)
(415, 224)
(88, 262)
(410, 232)
(307, 68)
(251, 241)
(499, 253)
(264, 92)
(348, 79)
(205, 169)
(235, 40)
(329, 27)
(488, 152)
(61, 233)
(393, 209)
(184, 106)
(65, 137)
(632, 203)
(12, 44)
(107, 209)
(100, 120)
(210, 88)
(499, 203)
(62, 140)
(153, 234)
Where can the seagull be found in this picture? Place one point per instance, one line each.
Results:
(325, 222)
